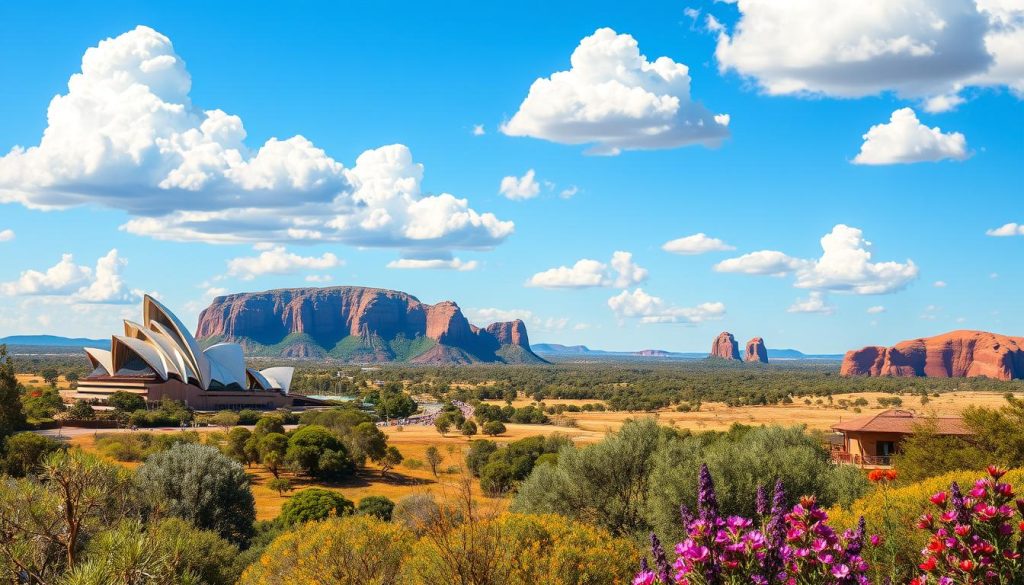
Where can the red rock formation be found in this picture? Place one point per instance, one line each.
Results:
(957, 354)
(756, 351)
(725, 347)
(329, 315)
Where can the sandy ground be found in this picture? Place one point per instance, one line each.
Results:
(37, 380)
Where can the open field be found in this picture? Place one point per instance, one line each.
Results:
(400, 482)
(37, 380)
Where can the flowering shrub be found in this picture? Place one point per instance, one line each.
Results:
(793, 547)
(976, 537)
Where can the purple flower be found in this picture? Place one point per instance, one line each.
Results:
(660, 562)
(707, 502)
(761, 501)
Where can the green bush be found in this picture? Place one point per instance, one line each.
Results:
(378, 506)
(314, 504)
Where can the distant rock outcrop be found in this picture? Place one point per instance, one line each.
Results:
(359, 324)
(957, 354)
(725, 347)
(756, 351)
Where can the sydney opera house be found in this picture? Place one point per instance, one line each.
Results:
(160, 359)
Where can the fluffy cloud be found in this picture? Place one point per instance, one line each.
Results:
(79, 284)
(844, 266)
(434, 264)
(621, 273)
(126, 135)
(525, 187)
(875, 310)
(652, 309)
(696, 244)
(486, 316)
(478, 130)
(814, 303)
(6, 235)
(277, 260)
(1006, 230)
(916, 48)
(762, 263)
(615, 99)
(569, 192)
(906, 140)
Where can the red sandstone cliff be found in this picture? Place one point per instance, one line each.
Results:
(364, 320)
(756, 351)
(956, 354)
(725, 347)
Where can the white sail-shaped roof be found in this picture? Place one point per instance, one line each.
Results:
(154, 312)
(227, 364)
(123, 347)
(280, 377)
(100, 358)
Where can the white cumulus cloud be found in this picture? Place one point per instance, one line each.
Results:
(6, 235)
(434, 264)
(525, 187)
(486, 316)
(614, 99)
(652, 309)
(1006, 230)
(78, 284)
(814, 303)
(915, 48)
(620, 272)
(844, 266)
(126, 135)
(277, 260)
(699, 243)
(906, 140)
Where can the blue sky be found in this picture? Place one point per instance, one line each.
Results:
(778, 177)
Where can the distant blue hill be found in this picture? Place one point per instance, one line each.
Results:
(54, 341)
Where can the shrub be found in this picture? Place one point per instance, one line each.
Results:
(318, 452)
(280, 485)
(81, 410)
(248, 416)
(25, 452)
(225, 418)
(354, 550)
(314, 504)
(42, 403)
(201, 485)
(139, 446)
(378, 506)
(415, 512)
(468, 428)
(493, 428)
(126, 402)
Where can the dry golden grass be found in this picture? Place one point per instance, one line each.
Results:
(37, 380)
(591, 427)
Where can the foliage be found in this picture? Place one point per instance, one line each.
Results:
(314, 504)
(225, 418)
(434, 458)
(280, 485)
(977, 537)
(391, 458)
(378, 506)
(81, 410)
(416, 511)
(354, 550)
(235, 445)
(926, 453)
(248, 416)
(169, 413)
(126, 402)
(604, 484)
(392, 403)
(45, 520)
(273, 452)
(200, 484)
(25, 452)
(741, 460)
(41, 403)
(468, 428)
(493, 428)
(169, 552)
(786, 546)
(997, 432)
(365, 440)
(318, 452)
(893, 513)
(138, 446)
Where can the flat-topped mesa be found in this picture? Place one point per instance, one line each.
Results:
(756, 351)
(359, 324)
(725, 347)
(957, 354)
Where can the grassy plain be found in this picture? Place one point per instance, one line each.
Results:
(583, 428)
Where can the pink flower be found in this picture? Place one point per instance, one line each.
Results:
(644, 578)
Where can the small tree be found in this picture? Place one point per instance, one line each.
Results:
(12, 416)
(378, 506)
(26, 452)
(50, 376)
(280, 485)
(443, 424)
(234, 446)
(392, 457)
(273, 449)
(494, 428)
(468, 428)
(126, 402)
(81, 410)
(434, 458)
(200, 484)
(225, 419)
(315, 504)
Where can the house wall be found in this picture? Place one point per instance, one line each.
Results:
(866, 443)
